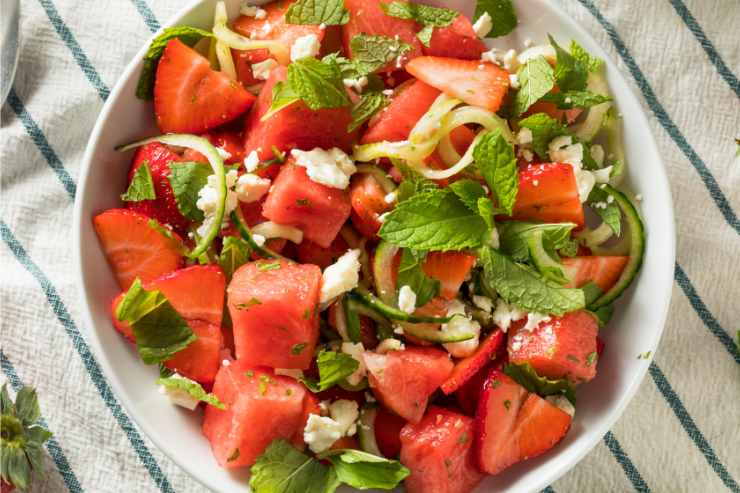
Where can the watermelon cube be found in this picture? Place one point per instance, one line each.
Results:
(458, 40)
(548, 193)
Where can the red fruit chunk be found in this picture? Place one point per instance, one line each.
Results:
(395, 122)
(367, 17)
(450, 269)
(273, 26)
(467, 368)
(439, 453)
(122, 327)
(296, 200)
(484, 87)
(310, 406)
(539, 427)
(260, 407)
(273, 311)
(243, 60)
(295, 126)
(191, 97)
(458, 40)
(404, 380)
(548, 193)
(201, 360)
(368, 203)
(603, 271)
(388, 432)
(134, 248)
(313, 253)
(563, 347)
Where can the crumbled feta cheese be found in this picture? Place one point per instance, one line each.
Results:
(261, 70)
(483, 25)
(491, 56)
(387, 92)
(406, 299)
(345, 412)
(545, 50)
(381, 218)
(510, 61)
(304, 47)
(259, 239)
(225, 362)
(483, 302)
(332, 167)
(390, 344)
(390, 198)
(563, 403)
(252, 161)
(562, 150)
(357, 84)
(528, 43)
(180, 397)
(355, 350)
(250, 187)
(527, 155)
(398, 330)
(505, 313)
(514, 81)
(252, 10)
(322, 26)
(597, 153)
(524, 137)
(269, 229)
(602, 175)
(461, 323)
(609, 199)
(638, 197)
(568, 100)
(208, 200)
(599, 205)
(324, 407)
(321, 432)
(533, 320)
(289, 372)
(341, 276)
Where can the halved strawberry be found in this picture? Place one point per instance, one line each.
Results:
(548, 193)
(274, 27)
(477, 83)
(467, 368)
(135, 247)
(539, 427)
(458, 40)
(562, 347)
(450, 269)
(603, 271)
(191, 97)
(368, 203)
(388, 427)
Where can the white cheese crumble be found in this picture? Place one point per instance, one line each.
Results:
(332, 167)
(562, 402)
(545, 50)
(491, 56)
(289, 372)
(462, 323)
(345, 412)
(505, 314)
(387, 92)
(357, 84)
(252, 161)
(483, 25)
(252, 11)
(390, 198)
(510, 61)
(322, 431)
(261, 70)
(562, 150)
(524, 137)
(406, 299)
(225, 362)
(355, 350)
(208, 200)
(341, 276)
(494, 240)
(304, 47)
(179, 397)
(483, 302)
(259, 239)
(597, 153)
(602, 175)
(534, 319)
(514, 81)
(250, 187)
(527, 155)
(390, 344)
(269, 229)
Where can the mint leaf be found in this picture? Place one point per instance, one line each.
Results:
(363, 471)
(282, 95)
(413, 182)
(610, 213)
(536, 78)
(513, 237)
(369, 104)
(235, 252)
(317, 12)
(412, 275)
(570, 74)
(496, 161)
(160, 332)
(371, 53)
(141, 186)
(192, 388)
(333, 368)
(591, 63)
(521, 285)
(186, 180)
(283, 469)
(186, 34)
(317, 83)
(474, 196)
(575, 99)
(503, 16)
(427, 16)
(526, 376)
(434, 220)
(544, 128)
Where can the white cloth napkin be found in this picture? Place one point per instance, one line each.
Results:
(680, 433)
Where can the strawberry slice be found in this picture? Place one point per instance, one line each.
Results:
(477, 83)
(467, 368)
(135, 247)
(603, 271)
(450, 269)
(540, 425)
(191, 97)
(548, 193)
(368, 203)
(458, 40)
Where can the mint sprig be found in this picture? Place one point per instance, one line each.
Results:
(513, 237)
(591, 63)
(186, 180)
(610, 213)
(536, 78)
(141, 186)
(411, 274)
(526, 376)
(193, 389)
(369, 104)
(317, 12)
(503, 16)
(317, 83)
(544, 129)
(333, 368)
(495, 159)
(427, 16)
(570, 73)
(575, 99)
(235, 252)
(373, 52)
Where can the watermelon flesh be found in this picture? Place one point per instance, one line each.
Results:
(458, 40)
(548, 193)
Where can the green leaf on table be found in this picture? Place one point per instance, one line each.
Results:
(369, 104)
(283, 469)
(425, 15)
(544, 129)
(333, 368)
(503, 16)
(570, 73)
(412, 275)
(364, 471)
(526, 376)
(141, 186)
(193, 389)
(495, 159)
(186, 180)
(536, 78)
(317, 12)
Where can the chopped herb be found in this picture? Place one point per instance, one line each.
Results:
(249, 373)
(233, 456)
(262, 266)
(507, 404)
(644, 355)
(591, 358)
(302, 202)
(496, 383)
(307, 314)
(298, 348)
(248, 304)
(262, 387)
(463, 439)
(573, 358)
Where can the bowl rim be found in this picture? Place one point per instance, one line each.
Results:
(90, 332)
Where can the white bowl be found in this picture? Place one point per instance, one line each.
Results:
(636, 327)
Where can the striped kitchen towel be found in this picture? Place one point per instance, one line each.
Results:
(680, 433)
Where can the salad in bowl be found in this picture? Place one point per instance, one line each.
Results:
(365, 247)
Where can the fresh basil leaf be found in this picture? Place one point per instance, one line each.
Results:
(364, 471)
(536, 78)
(160, 332)
(371, 52)
(333, 368)
(186, 34)
(283, 469)
(503, 16)
(369, 104)
(591, 63)
(434, 220)
(317, 12)
(544, 129)
(427, 16)
(570, 74)
(192, 388)
(234, 253)
(283, 95)
(412, 275)
(521, 285)
(496, 160)
(526, 376)
(141, 186)
(513, 236)
(186, 180)
(575, 99)
(609, 212)
(317, 83)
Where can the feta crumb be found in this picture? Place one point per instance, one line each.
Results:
(527, 155)
(252, 161)
(324, 407)
(259, 239)
(345, 412)
(387, 92)
(638, 197)
(355, 350)
(341, 276)
(494, 240)
(381, 217)
(322, 26)
(304, 47)
(321, 432)
(357, 84)
(533, 320)
(398, 330)
(289, 372)
(514, 81)
(390, 344)
(609, 199)
(252, 11)
(602, 175)
(599, 205)
(250, 187)
(483, 302)
(225, 362)
(461, 323)
(406, 299)
(261, 70)
(269, 229)
(563, 403)
(562, 150)
(208, 200)
(510, 61)
(390, 198)
(524, 137)
(179, 397)
(505, 314)
(597, 153)
(545, 50)
(528, 43)
(483, 25)
(568, 100)
(332, 167)
(491, 56)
